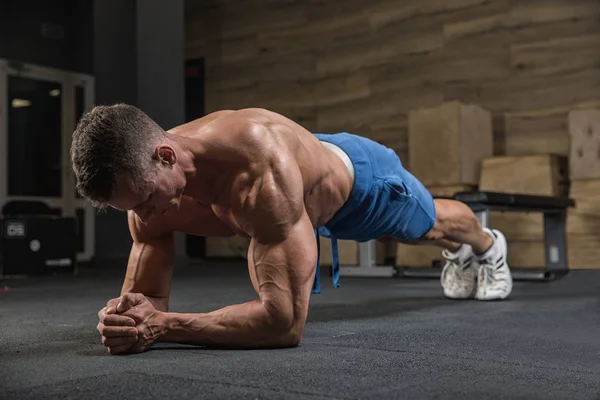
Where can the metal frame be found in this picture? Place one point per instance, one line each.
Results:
(367, 264)
(68, 202)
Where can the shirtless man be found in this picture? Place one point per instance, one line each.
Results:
(258, 174)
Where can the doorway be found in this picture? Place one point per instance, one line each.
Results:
(39, 108)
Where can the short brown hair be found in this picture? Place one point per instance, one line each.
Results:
(110, 140)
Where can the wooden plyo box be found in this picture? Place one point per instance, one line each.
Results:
(446, 144)
(584, 132)
(583, 225)
(348, 252)
(542, 174)
(538, 174)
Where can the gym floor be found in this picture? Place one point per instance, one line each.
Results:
(371, 339)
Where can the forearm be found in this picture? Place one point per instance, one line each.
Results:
(149, 272)
(247, 325)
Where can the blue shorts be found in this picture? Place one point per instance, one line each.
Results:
(386, 200)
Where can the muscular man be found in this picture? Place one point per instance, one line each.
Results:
(256, 173)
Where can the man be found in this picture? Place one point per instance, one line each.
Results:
(258, 174)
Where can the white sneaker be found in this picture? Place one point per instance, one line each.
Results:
(458, 275)
(494, 280)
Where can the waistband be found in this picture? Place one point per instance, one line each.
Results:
(346, 147)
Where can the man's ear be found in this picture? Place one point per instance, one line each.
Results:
(165, 154)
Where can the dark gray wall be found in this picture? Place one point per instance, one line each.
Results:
(115, 72)
(135, 51)
(139, 60)
(160, 68)
(52, 33)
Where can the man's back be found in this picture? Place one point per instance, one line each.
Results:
(249, 142)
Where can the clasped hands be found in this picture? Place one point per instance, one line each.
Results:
(130, 324)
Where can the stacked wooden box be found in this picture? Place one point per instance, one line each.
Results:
(583, 221)
(348, 253)
(540, 174)
(447, 144)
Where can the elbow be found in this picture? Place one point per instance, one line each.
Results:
(284, 328)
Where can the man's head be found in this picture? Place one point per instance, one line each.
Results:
(122, 158)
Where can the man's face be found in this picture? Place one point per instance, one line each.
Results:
(159, 193)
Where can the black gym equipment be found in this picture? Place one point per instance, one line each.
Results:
(37, 245)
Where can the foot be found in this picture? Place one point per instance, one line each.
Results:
(458, 274)
(494, 280)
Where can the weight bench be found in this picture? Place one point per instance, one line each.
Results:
(482, 203)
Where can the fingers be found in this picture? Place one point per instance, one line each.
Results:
(111, 306)
(129, 300)
(118, 320)
(119, 341)
(117, 331)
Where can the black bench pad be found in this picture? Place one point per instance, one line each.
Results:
(514, 202)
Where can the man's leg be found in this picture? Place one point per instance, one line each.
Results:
(469, 248)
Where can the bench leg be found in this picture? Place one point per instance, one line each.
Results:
(555, 238)
(483, 217)
(367, 258)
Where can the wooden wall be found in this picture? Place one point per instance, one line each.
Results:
(360, 66)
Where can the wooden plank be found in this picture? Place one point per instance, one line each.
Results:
(239, 50)
(583, 251)
(376, 49)
(526, 254)
(541, 131)
(317, 34)
(518, 226)
(266, 68)
(449, 190)
(537, 143)
(417, 256)
(237, 23)
(392, 132)
(348, 252)
(340, 88)
(583, 225)
(524, 16)
(536, 133)
(462, 67)
(556, 56)
(584, 129)
(405, 71)
(418, 14)
(540, 92)
(357, 115)
(392, 127)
